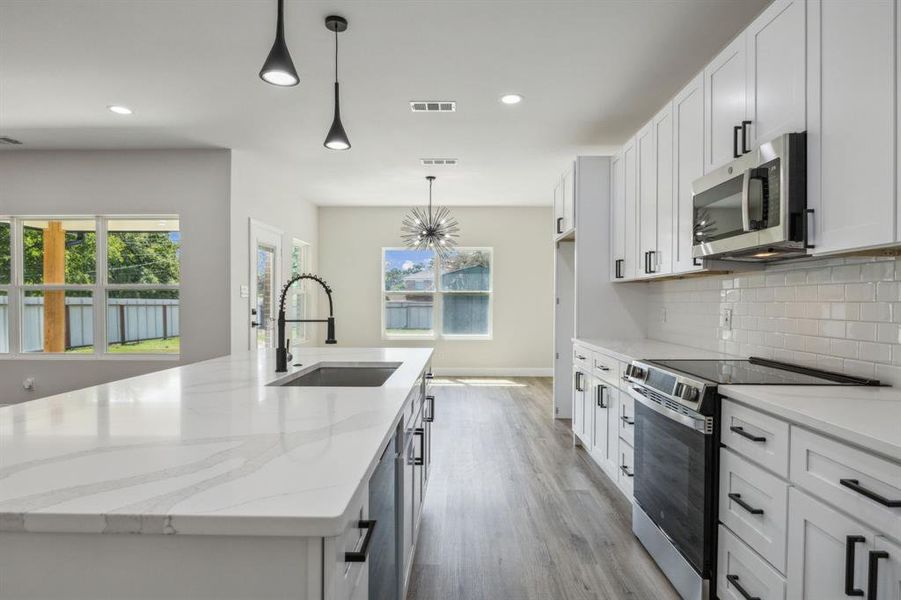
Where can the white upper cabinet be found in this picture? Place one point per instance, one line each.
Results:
(647, 199)
(776, 79)
(662, 257)
(888, 579)
(617, 217)
(852, 156)
(632, 265)
(558, 208)
(725, 90)
(569, 198)
(688, 165)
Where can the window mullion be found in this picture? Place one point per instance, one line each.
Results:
(101, 345)
(13, 309)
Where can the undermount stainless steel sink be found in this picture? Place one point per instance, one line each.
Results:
(340, 375)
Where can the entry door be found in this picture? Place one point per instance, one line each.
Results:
(265, 284)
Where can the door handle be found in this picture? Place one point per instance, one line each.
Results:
(873, 573)
(850, 542)
(744, 137)
(735, 131)
(749, 436)
(733, 579)
(361, 554)
(854, 484)
(737, 499)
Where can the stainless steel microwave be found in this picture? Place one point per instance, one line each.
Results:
(754, 208)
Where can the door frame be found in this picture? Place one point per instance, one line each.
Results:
(260, 231)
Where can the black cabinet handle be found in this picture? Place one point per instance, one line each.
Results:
(579, 387)
(560, 225)
(429, 376)
(744, 137)
(750, 436)
(850, 542)
(737, 499)
(854, 484)
(735, 131)
(618, 268)
(626, 472)
(627, 421)
(697, 262)
(733, 579)
(651, 256)
(360, 555)
(873, 573)
(599, 394)
(430, 403)
(418, 460)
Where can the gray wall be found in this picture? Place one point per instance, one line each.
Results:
(195, 184)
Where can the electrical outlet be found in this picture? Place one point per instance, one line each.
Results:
(245, 291)
(28, 383)
(726, 318)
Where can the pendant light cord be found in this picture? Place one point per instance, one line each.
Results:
(430, 199)
(336, 55)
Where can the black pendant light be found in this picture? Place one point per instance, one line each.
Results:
(279, 68)
(337, 137)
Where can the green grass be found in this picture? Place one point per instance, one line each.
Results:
(158, 346)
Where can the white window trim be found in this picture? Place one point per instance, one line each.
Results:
(17, 288)
(438, 304)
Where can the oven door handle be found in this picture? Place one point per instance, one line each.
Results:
(699, 424)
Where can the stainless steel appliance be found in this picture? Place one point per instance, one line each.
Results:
(677, 409)
(755, 208)
(385, 490)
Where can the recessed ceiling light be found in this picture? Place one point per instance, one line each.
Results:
(119, 109)
(511, 98)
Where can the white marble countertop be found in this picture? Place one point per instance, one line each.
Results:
(629, 350)
(869, 417)
(203, 449)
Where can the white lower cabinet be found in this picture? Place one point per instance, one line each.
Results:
(827, 551)
(626, 468)
(741, 574)
(627, 418)
(600, 410)
(888, 570)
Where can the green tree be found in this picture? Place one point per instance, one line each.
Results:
(5, 253)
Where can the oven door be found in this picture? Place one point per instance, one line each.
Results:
(675, 477)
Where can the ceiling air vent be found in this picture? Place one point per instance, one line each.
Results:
(438, 162)
(10, 141)
(433, 106)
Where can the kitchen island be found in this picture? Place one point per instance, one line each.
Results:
(205, 481)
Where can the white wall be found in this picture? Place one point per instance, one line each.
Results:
(265, 189)
(192, 183)
(840, 314)
(350, 243)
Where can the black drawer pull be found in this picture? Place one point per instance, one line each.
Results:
(559, 224)
(750, 436)
(420, 460)
(744, 137)
(360, 555)
(733, 579)
(626, 472)
(599, 394)
(735, 130)
(430, 416)
(873, 573)
(854, 484)
(850, 542)
(627, 420)
(429, 376)
(737, 499)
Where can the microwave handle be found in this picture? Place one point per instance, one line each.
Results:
(746, 201)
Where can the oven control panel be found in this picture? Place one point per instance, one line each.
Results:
(695, 394)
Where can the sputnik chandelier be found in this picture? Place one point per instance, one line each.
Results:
(430, 229)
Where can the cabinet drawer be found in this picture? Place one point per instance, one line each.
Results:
(343, 577)
(754, 505)
(626, 476)
(855, 481)
(738, 566)
(627, 418)
(581, 357)
(756, 436)
(606, 368)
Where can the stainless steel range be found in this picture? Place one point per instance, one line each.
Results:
(677, 409)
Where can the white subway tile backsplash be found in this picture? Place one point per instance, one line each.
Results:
(841, 314)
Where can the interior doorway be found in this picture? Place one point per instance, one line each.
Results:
(265, 283)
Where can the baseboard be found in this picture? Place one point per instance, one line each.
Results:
(493, 372)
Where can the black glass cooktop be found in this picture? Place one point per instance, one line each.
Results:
(759, 371)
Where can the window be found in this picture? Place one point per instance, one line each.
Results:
(298, 305)
(423, 294)
(66, 283)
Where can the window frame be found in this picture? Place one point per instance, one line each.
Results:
(305, 248)
(438, 295)
(17, 289)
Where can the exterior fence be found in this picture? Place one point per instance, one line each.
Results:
(463, 314)
(408, 315)
(127, 320)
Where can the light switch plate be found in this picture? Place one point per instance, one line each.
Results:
(245, 291)
(726, 318)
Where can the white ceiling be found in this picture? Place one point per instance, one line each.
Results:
(591, 73)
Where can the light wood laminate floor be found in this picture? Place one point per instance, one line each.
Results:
(513, 511)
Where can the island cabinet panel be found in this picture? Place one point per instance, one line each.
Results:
(67, 566)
